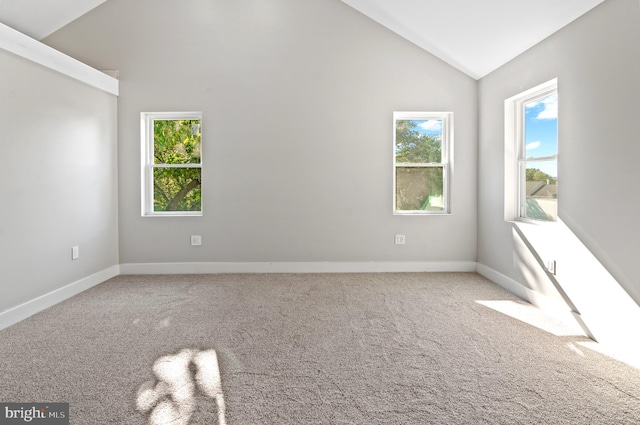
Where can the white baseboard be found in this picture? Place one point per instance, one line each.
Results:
(298, 267)
(21, 312)
(539, 300)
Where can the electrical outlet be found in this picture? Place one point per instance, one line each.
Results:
(75, 252)
(400, 239)
(196, 240)
(551, 266)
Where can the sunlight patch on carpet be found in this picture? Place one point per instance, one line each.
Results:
(172, 399)
(629, 354)
(534, 316)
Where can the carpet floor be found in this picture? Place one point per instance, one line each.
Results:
(388, 348)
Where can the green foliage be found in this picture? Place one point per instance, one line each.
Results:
(177, 142)
(413, 147)
(534, 174)
(417, 186)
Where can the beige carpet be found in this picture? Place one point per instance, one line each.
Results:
(402, 348)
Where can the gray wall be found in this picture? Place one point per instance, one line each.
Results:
(57, 181)
(297, 100)
(597, 62)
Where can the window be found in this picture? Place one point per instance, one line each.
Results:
(422, 145)
(533, 118)
(171, 163)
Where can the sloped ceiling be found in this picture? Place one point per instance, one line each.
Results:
(40, 18)
(475, 36)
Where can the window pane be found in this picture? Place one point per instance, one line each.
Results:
(541, 127)
(419, 188)
(176, 141)
(177, 189)
(419, 141)
(541, 189)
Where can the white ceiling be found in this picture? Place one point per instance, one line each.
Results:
(40, 18)
(475, 36)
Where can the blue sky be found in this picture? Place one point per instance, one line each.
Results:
(541, 131)
(429, 127)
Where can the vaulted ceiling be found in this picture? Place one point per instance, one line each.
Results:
(40, 18)
(475, 36)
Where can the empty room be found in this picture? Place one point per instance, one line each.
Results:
(319, 212)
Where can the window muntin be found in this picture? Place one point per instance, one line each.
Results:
(421, 162)
(172, 163)
(538, 156)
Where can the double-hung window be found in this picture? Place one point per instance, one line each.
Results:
(532, 139)
(171, 163)
(421, 162)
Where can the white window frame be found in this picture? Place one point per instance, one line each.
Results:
(147, 146)
(446, 159)
(515, 151)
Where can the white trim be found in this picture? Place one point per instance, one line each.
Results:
(539, 300)
(299, 267)
(446, 158)
(29, 308)
(514, 148)
(24, 46)
(189, 165)
(147, 161)
(41, 303)
(556, 308)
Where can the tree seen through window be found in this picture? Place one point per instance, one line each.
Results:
(177, 176)
(419, 164)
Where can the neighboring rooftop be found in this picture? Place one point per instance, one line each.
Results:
(536, 189)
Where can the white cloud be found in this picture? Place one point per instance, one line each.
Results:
(431, 125)
(550, 107)
(533, 145)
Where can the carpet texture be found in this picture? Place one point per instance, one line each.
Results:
(398, 348)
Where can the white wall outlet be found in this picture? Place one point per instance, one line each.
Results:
(551, 266)
(400, 239)
(75, 252)
(196, 240)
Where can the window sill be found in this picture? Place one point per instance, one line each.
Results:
(526, 222)
(421, 213)
(174, 214)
